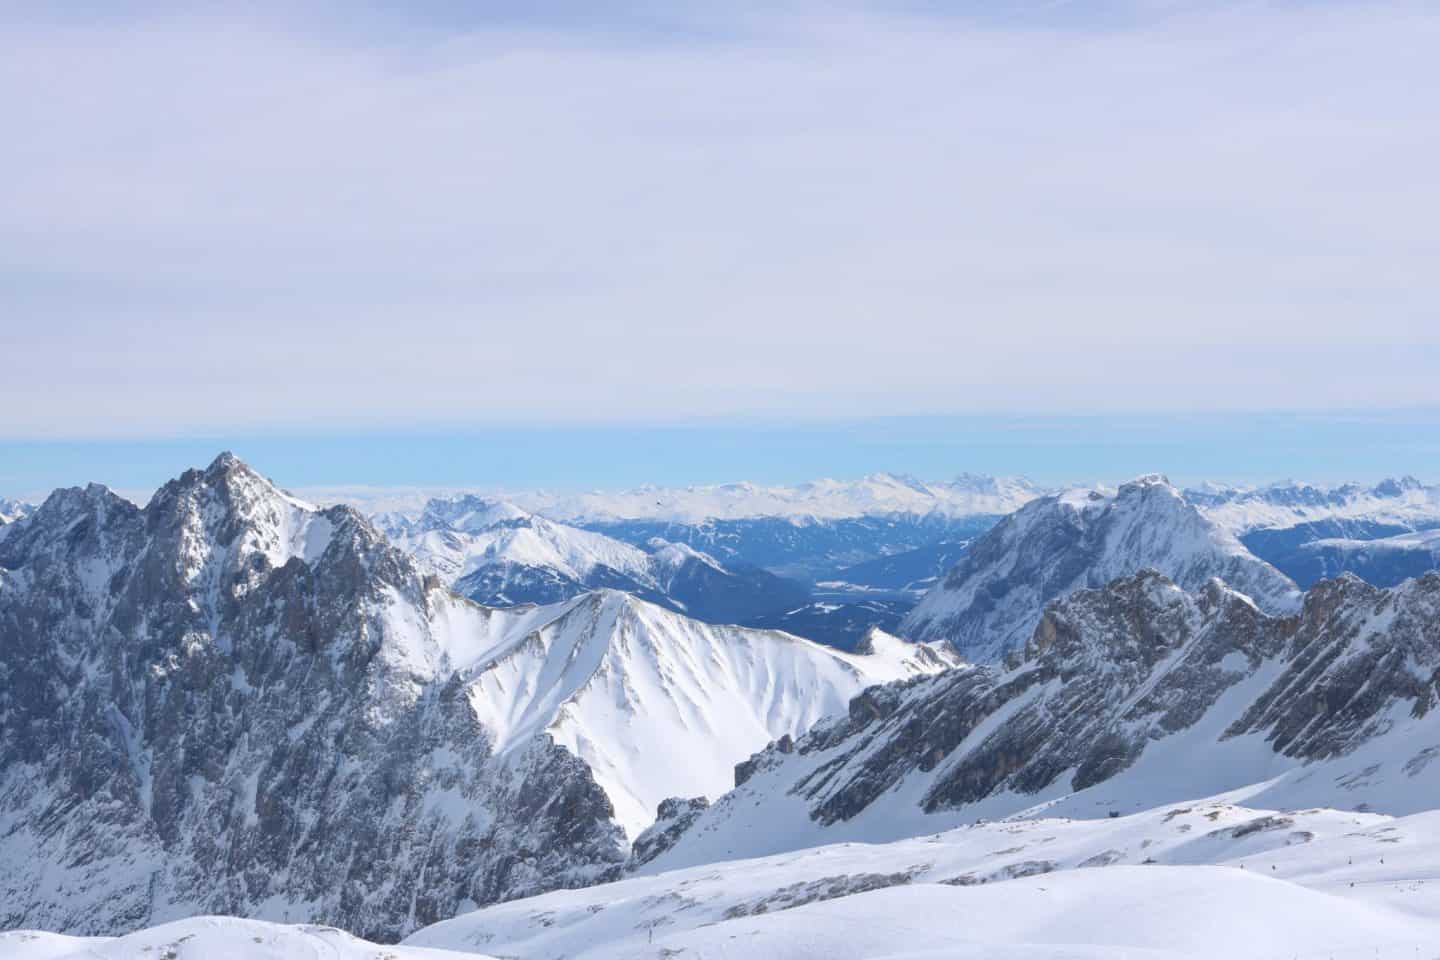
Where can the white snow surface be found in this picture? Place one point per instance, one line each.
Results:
(878, 494)
(1201, 879)
(657, 704)
(1242, 509)
(214, 938)
(1428, 540)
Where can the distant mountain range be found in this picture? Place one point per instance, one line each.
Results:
(495, 553)
(233, 701)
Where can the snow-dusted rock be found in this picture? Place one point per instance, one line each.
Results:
(991, 601)
(233, 702)
(1125, 697)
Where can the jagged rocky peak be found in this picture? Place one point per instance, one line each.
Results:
(212, 703)
(989, 604)
(1138, 689)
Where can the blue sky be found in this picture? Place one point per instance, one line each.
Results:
(442, 221)
(1234, 447)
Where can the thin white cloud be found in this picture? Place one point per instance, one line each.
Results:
(213, 223)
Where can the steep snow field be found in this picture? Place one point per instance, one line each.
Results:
(660, 705)
(1203, 879)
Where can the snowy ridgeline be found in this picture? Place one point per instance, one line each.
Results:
(1205, 879)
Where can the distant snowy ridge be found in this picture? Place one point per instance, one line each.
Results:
(12, 510)
(213, 702)
(879, 494)
(496, 553)
(991, 601)
(1405, 501)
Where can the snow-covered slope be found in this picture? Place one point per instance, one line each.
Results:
(214, 938)
(659, 705)
(455, 538)
(879, 494)
(1126, 697)
(215, 703)
(1207, 878)
(990, 602)
(1405, 501)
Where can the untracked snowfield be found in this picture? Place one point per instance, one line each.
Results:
(1208, 879)
(213, 938)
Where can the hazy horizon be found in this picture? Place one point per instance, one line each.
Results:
(1233, 448)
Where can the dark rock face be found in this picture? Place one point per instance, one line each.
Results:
(221, 703)
(1110, 674)
(672, 818)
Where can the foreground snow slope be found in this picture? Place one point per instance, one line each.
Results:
(990, 602)
(213, 938)
(1202, 879)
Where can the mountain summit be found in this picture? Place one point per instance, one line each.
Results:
(991, 601)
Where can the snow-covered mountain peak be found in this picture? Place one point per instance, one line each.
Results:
(991, 601)
(227, 692)
(467, 514)
(622, 683)
(669, 557)
(1146, 482)
(229, 506)
(12, 510)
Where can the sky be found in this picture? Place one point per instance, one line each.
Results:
(366, 225)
